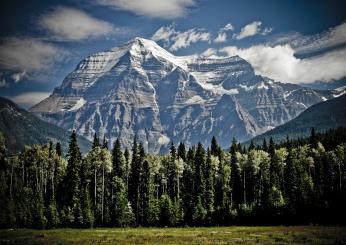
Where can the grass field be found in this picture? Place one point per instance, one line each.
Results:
(211, 235)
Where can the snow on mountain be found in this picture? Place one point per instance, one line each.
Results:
(140, 89)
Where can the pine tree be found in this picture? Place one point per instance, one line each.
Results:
(264, 145)
(172, 185)
(138, 155)
(96, 142)
(214, 147)
(235, 182)
(118, 160)
(127, 169)
(199, 182)
(313, 138)
(104, 143)
(188, 186)
(181, 151)
(251, 146)
(145, 194)
(209, 184)
(72, 178)
(58, 149)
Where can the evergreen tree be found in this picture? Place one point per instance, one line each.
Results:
(235, 182)
(72, 180)
(58, 149)
(118, 160)
(209, 180)
(214, 147)
(104, 143)
(313, 138)
(181, 151)
(264, 145)
(199, 181)
(145, 194)
(96, 142)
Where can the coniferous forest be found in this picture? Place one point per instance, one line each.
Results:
(295, 182)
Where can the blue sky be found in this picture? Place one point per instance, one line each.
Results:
(291, 41)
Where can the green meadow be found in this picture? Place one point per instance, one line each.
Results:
(206, 235)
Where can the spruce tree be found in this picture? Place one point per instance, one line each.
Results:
(209, 186)
(144, 194)
(235, 182)
(58, 149)
(199, 181)
(72, 178)
(182, 151)
(214, 147)
(96, 141)
(118, 160)
(172, 185)
(264, 145)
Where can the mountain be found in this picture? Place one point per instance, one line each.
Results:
(321, 116)
(336, 84)
(139, 89)
(22, 128)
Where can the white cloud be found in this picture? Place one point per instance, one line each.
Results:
(184, 39)
(73, 24)
(279, 63)
(333, 37)
(29, 99)
(227, 27)
(165, 9)
(210, 52)
(29, 54)
(164, 33)
(221, 37)
(3, 83)
(18, 76)
(178, 39)
(252, 29)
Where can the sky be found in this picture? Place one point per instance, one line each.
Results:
(289, 41)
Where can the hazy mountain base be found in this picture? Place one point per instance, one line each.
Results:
(321, 116)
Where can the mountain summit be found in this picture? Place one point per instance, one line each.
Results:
(140, 89)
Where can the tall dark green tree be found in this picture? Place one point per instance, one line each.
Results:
(72, 182)
(144, 195)
(235, 182)
(118, 161)
(209, 187)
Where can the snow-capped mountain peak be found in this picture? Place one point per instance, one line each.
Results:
(141, 89)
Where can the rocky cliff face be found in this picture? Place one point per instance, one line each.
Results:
(140, 89)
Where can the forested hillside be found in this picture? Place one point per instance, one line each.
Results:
(299, 182)
(321, 116)
(21, 128)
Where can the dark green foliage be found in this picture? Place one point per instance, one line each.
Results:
(23, 128)
(235, 181)
(322, 117)
(118, 161)
(298, 182)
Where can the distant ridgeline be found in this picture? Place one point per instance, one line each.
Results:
(297, 182)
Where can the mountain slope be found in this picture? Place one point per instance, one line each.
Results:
(22, 128)
(321, 116)
(140, 89)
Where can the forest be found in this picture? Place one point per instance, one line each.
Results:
(290, 183)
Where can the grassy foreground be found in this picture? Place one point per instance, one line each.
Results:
(211, 235)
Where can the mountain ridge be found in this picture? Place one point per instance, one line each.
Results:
(140, 89)
(22, 128)
(321, 116)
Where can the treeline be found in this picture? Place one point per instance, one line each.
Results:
(297, 182)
